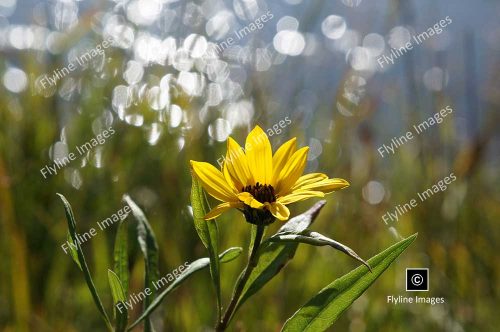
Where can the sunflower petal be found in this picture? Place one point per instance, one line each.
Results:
(237, 165)
(279, 210)
(292, 171)
(308, 179)
(249, 200)
(232, 182)
(325, 185)
(259, 155)
(299, 195)
(213, 181)
(281, 156)
(221, 208)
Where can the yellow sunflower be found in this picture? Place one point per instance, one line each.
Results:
(260, 184)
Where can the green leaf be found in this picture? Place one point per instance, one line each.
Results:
(116, 287)
(317, 239)
(72, 250)
(230, 254)
(319, 313)
(82, 263)
(118, 295)
(209, 235)
(149, 248)
(193, 267)
(274, 256)
(121, 255)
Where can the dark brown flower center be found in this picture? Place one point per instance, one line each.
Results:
(261, 192)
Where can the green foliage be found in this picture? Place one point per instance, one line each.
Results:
(119, 296)
(280, 248)
(117, 290)
(274, 256)
(199, 264)
(73, 251)
(209, 234)
(121, 255)
(324, 309)
(317, 239)
(275, 253)
(82, 263)
(149, 248)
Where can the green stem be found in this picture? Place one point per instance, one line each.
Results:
(242, 280)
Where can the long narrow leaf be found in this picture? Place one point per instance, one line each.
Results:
(317, 239)
(72, 250)
(209, 235)
(195, 266)
(149, 248)
(319, 313)
(83, 264)
(121, 255)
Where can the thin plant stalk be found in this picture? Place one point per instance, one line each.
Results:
(242, 280)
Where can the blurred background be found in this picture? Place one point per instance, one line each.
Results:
(171, 98)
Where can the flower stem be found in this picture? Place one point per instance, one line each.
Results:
(242, 280)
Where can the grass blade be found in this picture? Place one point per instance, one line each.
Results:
(121, 255)
(72, 250)
(149, 248)
(83, 264)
